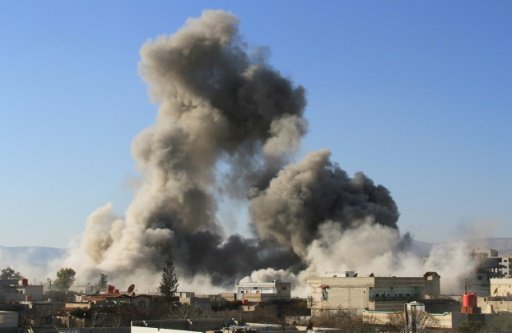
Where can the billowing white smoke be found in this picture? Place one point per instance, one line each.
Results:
(377, 249)
(217, 105)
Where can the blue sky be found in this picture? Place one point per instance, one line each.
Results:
(417, 94)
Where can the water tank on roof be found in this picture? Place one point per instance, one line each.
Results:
(469, 300)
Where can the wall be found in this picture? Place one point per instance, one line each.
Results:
(8, 321)
(446, 320)
(137, 329)
(178, 325)
(501, 287)
(492, 306)
(95, 330)
(429, 288)
(333, 293)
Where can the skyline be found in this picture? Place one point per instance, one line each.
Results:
(419, 108)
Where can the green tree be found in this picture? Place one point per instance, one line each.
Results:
(10, 274)
(102, 283)
(169, 282)
(65, 278)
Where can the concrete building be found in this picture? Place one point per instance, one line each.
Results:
(87, 289)
(13, 291)
(488, 265)
(500, 299)
(501, 288)
(330, 294)
(505, 265)
(490, 305)
(257, 292)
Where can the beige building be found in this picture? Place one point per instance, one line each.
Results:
(494, 305)
(200, 301)
(501, 287)
(329, 294)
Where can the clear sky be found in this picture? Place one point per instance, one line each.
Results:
(417, 94)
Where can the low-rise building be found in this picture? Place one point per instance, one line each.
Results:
(488, 266)
(87, 289)
(14, 291)
(330, 294)
(258, 292)
(200, 301)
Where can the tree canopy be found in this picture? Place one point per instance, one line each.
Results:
(10, 274)
(102, 283)
(65, 278)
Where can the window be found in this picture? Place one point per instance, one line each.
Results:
(325, 294)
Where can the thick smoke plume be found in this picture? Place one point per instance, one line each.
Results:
(229, 124)
(304, 196)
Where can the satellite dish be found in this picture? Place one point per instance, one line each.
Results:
(131, 288)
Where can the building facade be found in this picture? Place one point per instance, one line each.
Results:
(488, 266)
(257, 292)
(329, 294)
(14, 291)
(501, 288)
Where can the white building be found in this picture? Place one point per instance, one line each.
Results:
(258, 292)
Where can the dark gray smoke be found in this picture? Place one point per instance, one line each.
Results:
(307, 194)
(225, 121)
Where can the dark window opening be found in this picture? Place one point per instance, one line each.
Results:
(325, 294)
